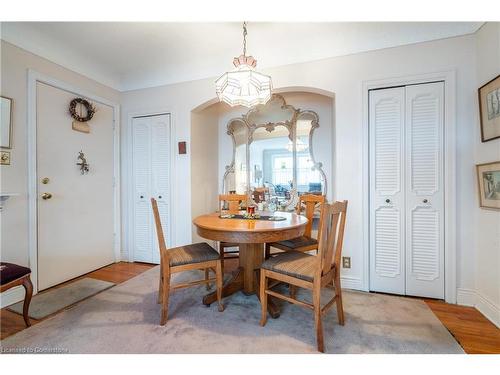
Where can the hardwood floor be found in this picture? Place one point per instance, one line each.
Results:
(471, 329)
(475, 333)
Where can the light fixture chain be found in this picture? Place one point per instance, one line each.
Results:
(244, 38)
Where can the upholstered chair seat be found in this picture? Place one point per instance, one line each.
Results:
(12, 275)
(293, 263)
(194, 253)
(10, 272)
(298, 242)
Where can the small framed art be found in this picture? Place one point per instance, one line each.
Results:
(5, 122)
(489, 109)
(488, 178)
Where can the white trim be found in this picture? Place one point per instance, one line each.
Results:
(469, 297)
(33, 78)
(466, 297)
(128, 178)
(11, 296)
(449, 78)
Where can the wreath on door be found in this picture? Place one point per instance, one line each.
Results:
(76, 109)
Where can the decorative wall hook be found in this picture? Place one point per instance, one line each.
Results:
(84, 166)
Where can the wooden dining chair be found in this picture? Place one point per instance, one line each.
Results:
(307, 204)
(232, 203)
(199, 256)
(309, 271)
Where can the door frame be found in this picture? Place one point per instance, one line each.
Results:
(129, 170)
(449, 157)
(35, 77)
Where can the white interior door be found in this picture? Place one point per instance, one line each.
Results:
(75, 226)
(406, 190)
(424, 181)
(387, 198)
(151, 155)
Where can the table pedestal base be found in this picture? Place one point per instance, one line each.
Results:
(245, 278)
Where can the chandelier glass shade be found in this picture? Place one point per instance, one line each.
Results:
(244, 85)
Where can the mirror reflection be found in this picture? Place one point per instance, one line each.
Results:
(235, 180)
(271, 165)
(273, 159)
(309, 178)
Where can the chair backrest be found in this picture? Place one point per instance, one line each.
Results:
(260, 194)
(159, 229)
(331, 235)
(308, 202)
(233, 201)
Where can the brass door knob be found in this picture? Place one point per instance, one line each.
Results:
(46, 196)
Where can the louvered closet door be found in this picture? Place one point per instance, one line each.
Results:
(160, 153)
(387, 208)
(151, 154)
(424, 181)
(142, 243)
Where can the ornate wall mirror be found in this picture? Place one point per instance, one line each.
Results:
(273, 160)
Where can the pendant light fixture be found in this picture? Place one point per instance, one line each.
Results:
(244, 85)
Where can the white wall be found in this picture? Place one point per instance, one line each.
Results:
(486, 293)
(344, 77)
(15, 63)
(204, 164)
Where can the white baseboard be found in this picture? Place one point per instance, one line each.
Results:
(11, 296)
(469, 297)
(348, 282)
(466, 297)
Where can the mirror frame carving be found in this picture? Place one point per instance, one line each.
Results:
(291, 125)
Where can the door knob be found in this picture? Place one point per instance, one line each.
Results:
(425, 201)
(387, 200)
(46, 196)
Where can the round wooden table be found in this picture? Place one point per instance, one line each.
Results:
(251, 235)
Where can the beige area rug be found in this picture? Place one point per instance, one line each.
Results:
(53, 300)
(124, 319)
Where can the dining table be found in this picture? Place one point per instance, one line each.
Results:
(251, 234)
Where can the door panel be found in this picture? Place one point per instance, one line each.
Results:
(386, 196)
(160, 126)
(142, 187)
(75, 226)
(151, 153)
(425, 219)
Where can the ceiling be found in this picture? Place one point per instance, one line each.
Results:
(129, 55)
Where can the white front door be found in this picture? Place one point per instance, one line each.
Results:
(406, 190)
(151, 155)
(75, 225)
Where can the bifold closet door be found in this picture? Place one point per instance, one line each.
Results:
(387, 198)
(406, 190)
(151, 151)
(424, 190)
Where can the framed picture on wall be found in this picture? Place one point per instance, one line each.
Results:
(489, 109)
(488, 178)
(5, 122)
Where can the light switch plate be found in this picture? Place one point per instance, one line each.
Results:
(346, 262)
(5, 158)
